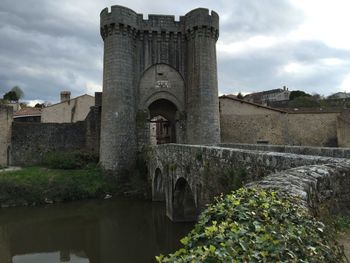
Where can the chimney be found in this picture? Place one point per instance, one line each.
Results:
(284, 88)
(65, 95)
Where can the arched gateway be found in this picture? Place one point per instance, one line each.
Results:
(159, 83)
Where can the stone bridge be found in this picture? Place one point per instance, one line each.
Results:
(187, 177)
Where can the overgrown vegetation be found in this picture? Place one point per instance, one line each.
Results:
(251, 225)
(338, 223)
(69, 160)
(233, 179)
(39, 185)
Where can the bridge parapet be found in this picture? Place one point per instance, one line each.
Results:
(303, 150)
(192, 175)
(322, 189)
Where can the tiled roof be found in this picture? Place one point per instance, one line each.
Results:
(27, 112)
(251, 103)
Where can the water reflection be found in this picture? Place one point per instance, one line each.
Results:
(95, 231)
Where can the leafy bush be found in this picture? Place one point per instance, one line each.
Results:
(251, 225)
(69, 160)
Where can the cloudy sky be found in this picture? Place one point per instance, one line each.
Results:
(47, 46)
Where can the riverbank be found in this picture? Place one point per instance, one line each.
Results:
(39, 185)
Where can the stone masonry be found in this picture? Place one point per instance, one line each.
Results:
(187, 177)
(6, 118)
(151, 65)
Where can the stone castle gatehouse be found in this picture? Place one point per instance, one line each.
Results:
(158, 67)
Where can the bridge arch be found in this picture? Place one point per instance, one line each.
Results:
(184, 206)
(158, 189)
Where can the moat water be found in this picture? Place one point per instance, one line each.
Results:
(102, 231)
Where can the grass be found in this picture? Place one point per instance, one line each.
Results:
(39, 185)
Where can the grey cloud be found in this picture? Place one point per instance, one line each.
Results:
(48, 46)
(45, 51)
(249, 18)
(263, 69)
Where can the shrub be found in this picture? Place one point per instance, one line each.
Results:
(69, 160)
(251, 225)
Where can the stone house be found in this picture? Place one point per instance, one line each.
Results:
(246, 122)
(68, 110)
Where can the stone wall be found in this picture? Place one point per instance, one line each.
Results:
(6, 118)
(31, 141)
(253, 128)
(93, 129)
(343, 130)
(245, 122)
(314, 129)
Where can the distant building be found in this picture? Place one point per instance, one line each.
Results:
(265, 97)
(27, 115)
(68, 110)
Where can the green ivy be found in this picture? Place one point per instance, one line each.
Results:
(251, 225)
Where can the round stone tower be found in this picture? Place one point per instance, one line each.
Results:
(157, 67)
(118, 118)
(203, 119)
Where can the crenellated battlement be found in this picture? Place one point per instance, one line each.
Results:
(123, 19)
(199, 18)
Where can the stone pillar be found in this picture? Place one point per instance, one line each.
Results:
(118, 119)
(203, 123)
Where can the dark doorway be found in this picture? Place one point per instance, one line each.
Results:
(163, 122)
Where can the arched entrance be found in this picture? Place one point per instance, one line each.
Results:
(184, 206)
(163, 122)
(158, 190)
(161, 116)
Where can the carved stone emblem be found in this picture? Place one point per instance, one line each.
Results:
(162, 84)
